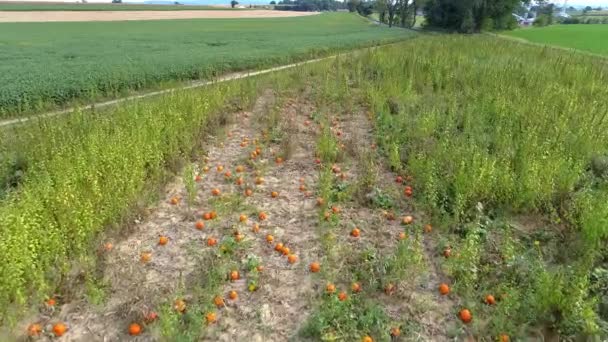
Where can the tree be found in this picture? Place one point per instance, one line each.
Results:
(352, 5)
(587, 9)
(273, 2)
(365, 8)
(233, 3)
(470, 15)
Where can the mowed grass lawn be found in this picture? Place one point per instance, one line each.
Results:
(592, 38)
(47, 64)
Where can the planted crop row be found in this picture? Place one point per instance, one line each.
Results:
(93, 60)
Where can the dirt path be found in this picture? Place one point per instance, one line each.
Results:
(65, 16)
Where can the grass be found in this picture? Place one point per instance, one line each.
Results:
(585, 37)
(107, 59)
(7, 6)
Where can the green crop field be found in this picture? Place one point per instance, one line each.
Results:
(6, 6)
(591, 38)
(45, 64)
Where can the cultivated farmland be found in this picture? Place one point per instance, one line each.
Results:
(41, 6)
(51, 64)
(584, 37)
(443, 188)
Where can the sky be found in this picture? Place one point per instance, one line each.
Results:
(557, 2)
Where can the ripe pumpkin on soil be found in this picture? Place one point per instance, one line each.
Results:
(335, 209)
(134, 329)
(395, 331)
(260, 268)
(210, 317)
(465, 316)
(213, 215)
(108, 246)
(262, 216)
(240, 168)
(278, 247)
(269, 238)
(278, 160)
(356, 287)
(216, 192)
(248, 192)
(206, 169)
(200, 224)
(327, 215)
(163, 240)
(315, 267)
(330, 288)
(51, 302)
(179, 305)
(490, 300)
(292, 258)
(211, 242)
(207, 216)
(342, 296)
(243, 218)
(259, 180)
(504, 338)
(367, 338)
(302, 187)
(285, 250)
(228, 174)
(239, 237)
(234, 275)
(239, 181)
(402, 236)
(220, 168)
(59, 329)
(34, 329)
(174, 200)
(355, 232)
(198, 178)
(255, 228)
(399, 179)
(320, 201)
(145, 257)
(274, 194)
(218, 301)
(444, 289)
(407, 220)
(233, 295)
(428, 228)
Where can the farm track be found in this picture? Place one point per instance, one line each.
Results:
(192, 85)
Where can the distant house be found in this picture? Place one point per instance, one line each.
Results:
(523, 21)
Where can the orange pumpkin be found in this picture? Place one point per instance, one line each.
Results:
(234, 275)
(51, 302)
(145, 257)
(262, 216)
(174, 200)
(243, 218)
(355, 233)
(213, 215)
(239, 181)
(248, 192)
(395, 331)
(215, 192)
(240, 168)
(211, 242)
(218, 301)
(34, 329)
(269, 238)
(207, 216)
(402, 236)
(278, 160)
(504, 338)
(200, 225)
(108, 246)
(444, 289)
(315, 267)
(428, 228)
(490, 300)
(465, 316)
(342, 296)
(302, 187)
(179, 305)
(259, 180)
(278, 247)
(330, 288)
(134, 329)
(255, 228)
(210, 317)
(233, 295)
(367, 338)
(356, 287)
(292, 258)
(320, 201)
(274, 194)
(335, 209)
(59, 329)
(163, 240)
